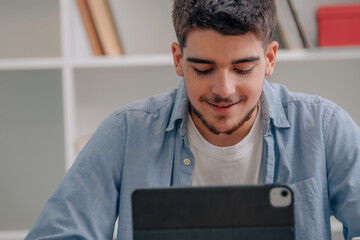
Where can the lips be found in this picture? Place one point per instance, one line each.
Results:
(223, 108)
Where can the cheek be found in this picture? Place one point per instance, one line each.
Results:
(252, 89)
(193, 89)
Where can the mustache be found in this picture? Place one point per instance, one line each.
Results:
(218, 99)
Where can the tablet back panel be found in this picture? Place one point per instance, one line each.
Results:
(245, 212)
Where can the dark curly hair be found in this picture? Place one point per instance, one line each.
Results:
(228, 17)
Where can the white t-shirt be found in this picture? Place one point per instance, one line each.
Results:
(234, 165)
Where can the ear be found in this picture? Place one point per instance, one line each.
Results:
(177, 57)
(270, 58)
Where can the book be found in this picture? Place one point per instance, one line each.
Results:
(300, 25)
(306, 12)
(287, 26)
(149, 31)
(105, 26)
(277, 37)
(90, 29)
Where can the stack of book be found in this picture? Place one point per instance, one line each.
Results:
(103, 33)
(296, 24)
(100, 27)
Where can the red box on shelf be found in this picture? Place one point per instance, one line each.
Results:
(339, 25)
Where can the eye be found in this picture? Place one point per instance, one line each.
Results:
(203, 72)
(241, 71)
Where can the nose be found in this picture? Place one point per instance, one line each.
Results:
(224, 85)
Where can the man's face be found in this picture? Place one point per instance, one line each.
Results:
(223, 77)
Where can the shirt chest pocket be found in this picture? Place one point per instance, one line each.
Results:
(306, 190)
(311, 209)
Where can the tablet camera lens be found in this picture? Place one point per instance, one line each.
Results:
(284, 193)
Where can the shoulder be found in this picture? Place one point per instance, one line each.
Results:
(301, 102)
(154, 106)
(303, 112)
(141, 116)
(309, 113)
(287, 97)
(136, 117)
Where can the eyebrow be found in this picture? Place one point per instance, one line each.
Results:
(246, 60)
(204, 61)
(198, 60)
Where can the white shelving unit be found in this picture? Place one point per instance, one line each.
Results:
(83, 90)
(30, 64)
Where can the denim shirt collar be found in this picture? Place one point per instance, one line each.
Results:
(270, 102)
(180, 110)
(272, 109)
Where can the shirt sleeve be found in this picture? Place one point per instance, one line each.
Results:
(85, 205)
(342, 138)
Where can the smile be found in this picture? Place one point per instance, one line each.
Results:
(222, 106)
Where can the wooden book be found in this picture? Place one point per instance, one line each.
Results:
(90, 28)
(300, 25)
(105, 26)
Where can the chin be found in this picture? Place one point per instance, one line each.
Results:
(226, 128)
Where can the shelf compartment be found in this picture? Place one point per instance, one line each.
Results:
(31, 144)
(29, 29)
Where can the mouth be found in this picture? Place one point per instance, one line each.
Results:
(222, 105)
(223, 108)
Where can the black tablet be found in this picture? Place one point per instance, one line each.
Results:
(204, 213)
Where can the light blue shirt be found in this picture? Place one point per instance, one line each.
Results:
(309, 143)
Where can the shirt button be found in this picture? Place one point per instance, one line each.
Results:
(187, 162)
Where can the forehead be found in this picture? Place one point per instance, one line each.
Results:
(211, 45)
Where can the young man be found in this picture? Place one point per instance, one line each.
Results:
(223, 125)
